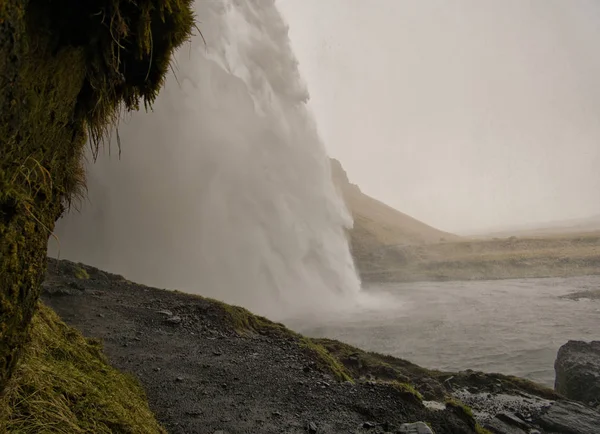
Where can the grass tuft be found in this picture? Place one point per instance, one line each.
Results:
(64, 385)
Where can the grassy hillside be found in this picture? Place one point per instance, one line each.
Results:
(388, 245)
(378, 227)
(378, 223)
(500, 258)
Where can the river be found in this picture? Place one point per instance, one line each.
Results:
(507, 326)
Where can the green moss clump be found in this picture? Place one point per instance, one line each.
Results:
(243, 321)
(324, 360)
(81, 273)
(407, 389)
(459, 406)
(464, 412)
(65, 385)
(67, 68)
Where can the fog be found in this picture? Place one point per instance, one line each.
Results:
(469, 115)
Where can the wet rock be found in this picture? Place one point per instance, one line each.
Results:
(415, 428)
(498, 426)
(577, 370)
(568, 417)
(512, 420)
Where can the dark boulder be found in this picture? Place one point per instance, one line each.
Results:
(568, 417)
(577, 370)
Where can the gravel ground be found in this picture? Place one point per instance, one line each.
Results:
(201, 376)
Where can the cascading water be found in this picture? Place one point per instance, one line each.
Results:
(224, 189)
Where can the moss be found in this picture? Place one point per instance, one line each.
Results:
(460, 407)
(324, 360)
(81, 273)
(244, 321)
(464, 412)
(67, 67)
(64, 385)
(407, 389)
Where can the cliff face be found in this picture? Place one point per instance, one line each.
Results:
(378, 226)
(64, 72)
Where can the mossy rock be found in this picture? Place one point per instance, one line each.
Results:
(65, 385)
(67, 68)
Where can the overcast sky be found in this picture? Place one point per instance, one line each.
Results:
(465, 114)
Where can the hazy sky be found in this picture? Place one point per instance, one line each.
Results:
(466, 114)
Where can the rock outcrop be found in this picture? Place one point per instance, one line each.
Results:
(66, 70)
(577, 369)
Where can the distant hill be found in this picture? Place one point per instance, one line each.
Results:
(377, 222)
(388, 245)
(560, 227)
(379, 227)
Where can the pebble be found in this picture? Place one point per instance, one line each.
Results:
(174, 319)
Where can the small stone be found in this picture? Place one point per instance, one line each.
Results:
(174, 319)
(312, 427)
(277, 413)
(157, 369)
(101, 315)
(179, 379)
(217, 353)
(165, 312)
(369, 425)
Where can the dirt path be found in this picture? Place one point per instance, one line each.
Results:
(203, 377)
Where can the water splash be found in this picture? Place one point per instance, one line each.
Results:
(225, 189)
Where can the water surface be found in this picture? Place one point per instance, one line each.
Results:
(508, 326)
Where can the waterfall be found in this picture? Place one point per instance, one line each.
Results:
(225, 188)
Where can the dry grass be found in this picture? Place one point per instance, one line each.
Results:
(552, 256)
(64, 385)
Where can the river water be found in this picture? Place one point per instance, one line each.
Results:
(507, 326)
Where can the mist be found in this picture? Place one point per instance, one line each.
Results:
(224, 189)
(468, 115)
